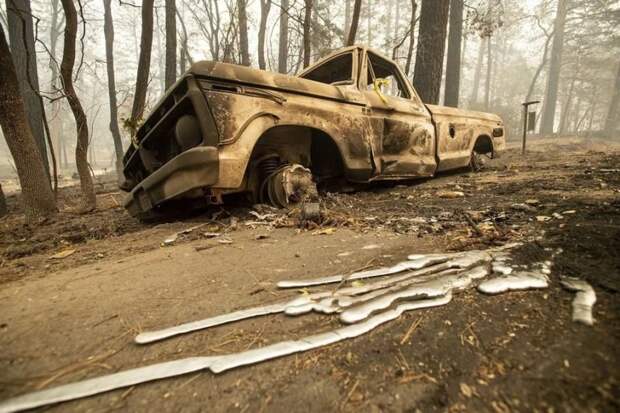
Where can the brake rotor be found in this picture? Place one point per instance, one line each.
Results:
(290, 184)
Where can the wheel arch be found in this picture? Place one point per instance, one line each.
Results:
(236, 157)
(319, 145)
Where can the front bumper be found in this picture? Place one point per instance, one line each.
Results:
(195, 168)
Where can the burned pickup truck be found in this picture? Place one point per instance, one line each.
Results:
(225, 129)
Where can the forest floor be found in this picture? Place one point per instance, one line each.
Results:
(74, 291)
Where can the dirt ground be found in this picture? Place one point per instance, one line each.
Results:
(76, 289)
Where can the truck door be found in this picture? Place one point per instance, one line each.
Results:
(404, 134)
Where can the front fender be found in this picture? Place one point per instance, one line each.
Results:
(245, 119)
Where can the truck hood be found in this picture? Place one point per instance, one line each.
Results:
(260, 78)
(446, 111)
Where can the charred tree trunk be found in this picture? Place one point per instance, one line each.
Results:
(283, 42)
(577, 118)
(463, 50)
(21, 36)
(487, 87)
(355, 20)
(161, 58)
(553, 80)
(243, 32)
(539, 69)
(182, 61)
(414, 9)
(565, 112)
(63, 148)
(184, 47)
(55, 121)
(89, 201)
(396, 20)
(108, 30)
(171, 44)
(612, 122)
(347, 21)
(3, 208)
(368, 22)
(388, 26)
(453, 65)
(431, 45)
(265, 7)
(37, 195)
(307, 24)
(144, 63)
(478, 73)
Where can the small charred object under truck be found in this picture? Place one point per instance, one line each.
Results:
(224, 129)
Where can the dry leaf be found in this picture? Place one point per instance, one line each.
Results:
(466, 390)
(62, 254)
(325, 231)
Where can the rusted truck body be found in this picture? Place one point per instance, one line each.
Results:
(224, 129)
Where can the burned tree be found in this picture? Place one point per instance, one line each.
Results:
(171, 44)
(37, 196)
(243, 32)
(89, 200)
(283, 42)
(265, 6)
(108, 30)
(414, 9)
(355, 19)
(21, 36)
(185, 54)
(3, 207)
(144, 63)
(612, 122)
(453, 64)
(306, 39)
(56, 124)
(431, 44)
(553, 80)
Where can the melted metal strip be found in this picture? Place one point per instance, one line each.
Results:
(216, 364)
(501, 268)
(104, 384)
(523, 280)
(382, 299)
(325, 306)
(270, 352)
(438, 261)
(584, 300)
(338, 302)
(151, 336)
(300, 302)
(347, 297)
(414, 264)
(430, 289)
(464, 280)
(355, 295)
(306, 303)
